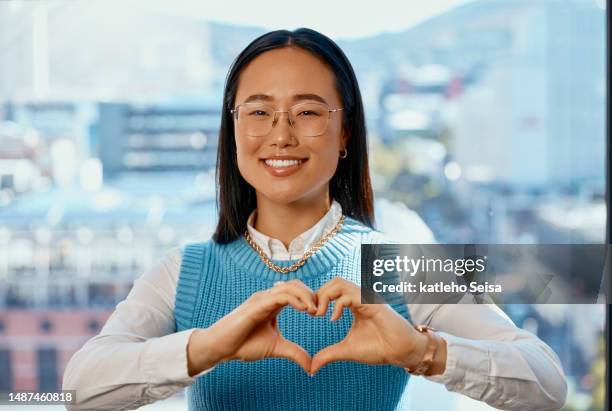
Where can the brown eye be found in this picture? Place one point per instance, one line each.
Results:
(258, 113)
(308, 113)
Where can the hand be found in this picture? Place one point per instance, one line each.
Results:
(250, 332)
(378, 335)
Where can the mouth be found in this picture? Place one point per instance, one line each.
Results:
(276, 163)
(283, 167)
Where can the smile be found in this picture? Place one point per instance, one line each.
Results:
(283, 167)
(283, 163)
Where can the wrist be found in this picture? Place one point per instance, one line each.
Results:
(438, 365)
(202, 353)
(412, 352)
(417, 351)
(428, 357)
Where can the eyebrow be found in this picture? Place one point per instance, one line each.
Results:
(314, 97)
(296, 97)
(258, 97)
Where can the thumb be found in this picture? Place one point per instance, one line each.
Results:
(336, 352)
(290, 350)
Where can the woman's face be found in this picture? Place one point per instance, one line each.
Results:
(282, 78)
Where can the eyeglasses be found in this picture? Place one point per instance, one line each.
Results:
(258, 119)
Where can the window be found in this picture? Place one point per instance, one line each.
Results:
(6, 371)
(47, 369)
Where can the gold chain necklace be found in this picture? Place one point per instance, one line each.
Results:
(311, 250)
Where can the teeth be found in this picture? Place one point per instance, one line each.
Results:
(283, 163)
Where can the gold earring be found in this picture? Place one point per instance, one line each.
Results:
(345, 153)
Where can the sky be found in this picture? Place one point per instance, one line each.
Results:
(340, 19)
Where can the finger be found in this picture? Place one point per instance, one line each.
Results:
(325, 295)
(296, 302)
(322, 304)
(282, 299)
(300, 284)
(341, 303)
(336, 352)
(312, 297)
(292, 351)
(263, 305)
(300, 290)
(304, 293)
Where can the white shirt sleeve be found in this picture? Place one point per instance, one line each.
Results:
(137, 358)
(492, 360)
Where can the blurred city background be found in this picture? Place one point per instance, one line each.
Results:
(485, 124)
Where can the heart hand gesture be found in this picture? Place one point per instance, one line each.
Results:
(378, 334)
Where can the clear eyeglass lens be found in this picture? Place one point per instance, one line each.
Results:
(308, 119)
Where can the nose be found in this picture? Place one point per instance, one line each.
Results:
(282, 132)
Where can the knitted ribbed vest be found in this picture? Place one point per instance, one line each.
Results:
(216, 278)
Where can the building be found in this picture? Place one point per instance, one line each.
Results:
(161, 137)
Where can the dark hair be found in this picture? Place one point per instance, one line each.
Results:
(350, 185)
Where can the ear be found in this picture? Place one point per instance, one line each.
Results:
(344, 138)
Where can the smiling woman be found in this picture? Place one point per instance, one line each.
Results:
(313, 83)
(242, 319)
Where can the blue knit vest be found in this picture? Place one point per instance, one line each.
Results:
(216, 278)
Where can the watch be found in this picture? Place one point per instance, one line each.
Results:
(423, 367)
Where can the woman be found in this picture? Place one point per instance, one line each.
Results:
(243, 319)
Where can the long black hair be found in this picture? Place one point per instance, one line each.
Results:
(350, 185)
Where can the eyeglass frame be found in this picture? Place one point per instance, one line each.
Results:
(234, 112)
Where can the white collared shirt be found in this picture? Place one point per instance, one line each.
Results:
(275, 249)
(137, 358)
